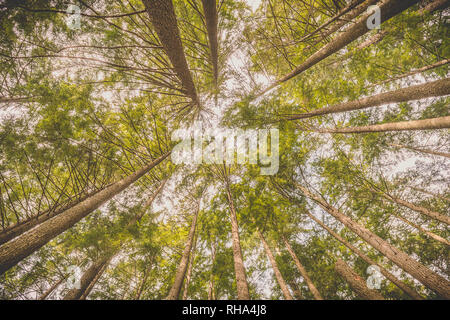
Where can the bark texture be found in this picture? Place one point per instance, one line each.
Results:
(356, 282)
(21, 247)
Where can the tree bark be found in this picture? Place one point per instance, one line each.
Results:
(404, 287)
(426, 124)
(94, 281)
(434, 153)
(356, 282)
(429, 213)
(23, 226)
(182, 267)
(302, 271)
(389, 8)
(189, 270)
(51, 289)
(21, 247)
(211, 17)
(426, 90)
(276, 271)
(88, 277)
(163, 18)
(435, 5)
(426, 276)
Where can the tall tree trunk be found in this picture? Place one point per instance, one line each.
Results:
(94, 282)
(428, 233)
(421, 91)
(434, 153)
(211, 17)
(302, 271)
(21, 247)
(426, 124)
(426, 276)
(389, 8)
(189, 270)
(276, 271)
(404, 287)
(413, 72)
(23, 226)
(434, 5)
(429, 213)
(52, 288)
(142, 284)
(88, 277)
(182, 267)
(430, 193)
(163, 18)
(356, 282)
(239, 268)
(211, 294)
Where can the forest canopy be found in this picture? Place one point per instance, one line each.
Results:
(224, 149)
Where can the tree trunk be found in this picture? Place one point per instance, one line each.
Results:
(428, 233)
(389, 8)
(142, 284)
(427, 124)
(189, 270)
(163, 18)
(239, 268)
(426, 276)
(434, 153)
(51, 289)
(276, 271)
(435, 5)
(94, 281)
(302, 271)
(182, 267)
(356, 282)
(432, 214)
(21, 247)
(426, 90)
(211, 294)
(404, 287)
(23, 226)
(88, 277)
(211, 17)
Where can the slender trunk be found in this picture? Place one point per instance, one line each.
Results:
(88, 276)
(389, 8)
(426, 124)
(435, 153)
(356, 282)
(435, 5)
(432, 214)
(404, 287)
(23, 226)
(413, 72)
(142, 284)
(428, 233)
(211, 295)
(276, 271)
(51, 289)
(239, 268)
(21, 247)
(426, 276)
(302, 271)
(430, 193)
(94, 282)
(163, 18)
(182, 267)
(211, 17)
(430, 89)
(189, 270)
